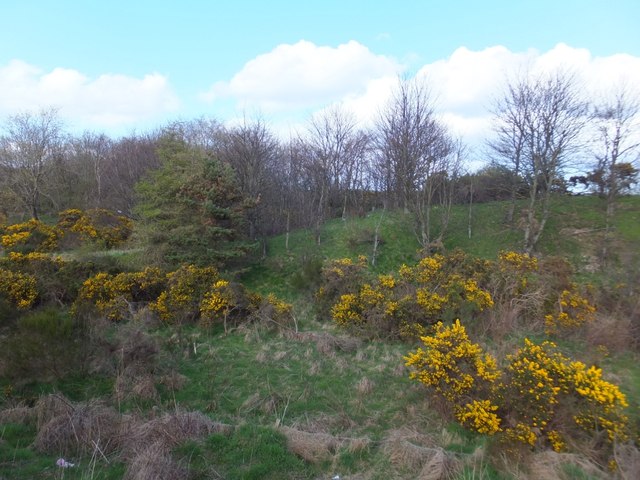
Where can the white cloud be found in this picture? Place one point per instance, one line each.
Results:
(107, 101)
(304, 75)
(467, 83)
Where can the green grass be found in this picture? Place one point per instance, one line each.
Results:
(19, 460)
(251, 452)
(256, 379)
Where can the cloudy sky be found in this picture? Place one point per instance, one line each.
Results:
(122, 65)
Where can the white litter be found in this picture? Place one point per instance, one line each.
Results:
(62, 463)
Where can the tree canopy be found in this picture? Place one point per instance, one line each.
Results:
(191, 209)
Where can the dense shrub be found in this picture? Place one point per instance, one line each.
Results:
(437, 288)
(100, 226)
(447, 287)
(539, 398)
(115, 295)
(18, 289)
(30, 236)
(185, 288)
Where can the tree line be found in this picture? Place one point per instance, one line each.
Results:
(211, 182)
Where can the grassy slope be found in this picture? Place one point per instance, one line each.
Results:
(260, 379)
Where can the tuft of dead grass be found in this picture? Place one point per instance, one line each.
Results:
(548, 465)
(627, 458)
(365, 386)
(611, 331)
(174, 381)
(326, 343)
(171, 429)
(311, 447)
(51, 406)
(155, 463)
(440, 466)
(139, 387)
(81, 430)
(21, 415)
(409, 449)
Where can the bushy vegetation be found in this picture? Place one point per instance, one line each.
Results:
(399, 369)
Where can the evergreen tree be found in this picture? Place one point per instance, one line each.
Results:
(191, 209)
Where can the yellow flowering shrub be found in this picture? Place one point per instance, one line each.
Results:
(96, 225)
(479, 415)
(186, 287)
(30, 236)
(217, 302)
(514, 261)
(570, 311)
(18, 288)
(556, 441)
(537, 395)
(339, 277)
(347, 311)
(451, 365)
(437, 288)
(546, 388)
(113, 295)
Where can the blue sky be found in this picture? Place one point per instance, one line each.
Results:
(115, 66)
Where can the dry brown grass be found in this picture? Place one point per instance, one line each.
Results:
(141, 387)
(440, 466)
(326, 343)
(611, 331)
(548, 465)
(417, 453)
(20, 415)
(365, 386)
(311, 447)
(51, 406)
(627, 457)
(155, 463)
(81, 430)
(408, 449)
(174, 381)
(171, 429)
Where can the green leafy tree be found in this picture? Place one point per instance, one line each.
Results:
(192, 209)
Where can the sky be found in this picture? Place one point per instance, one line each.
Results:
(120, 66)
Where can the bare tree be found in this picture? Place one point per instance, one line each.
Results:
(539, 122)
(618, 127)
(335, 151)
(415, 154)
(27, 152)
(252, 150)
(404, 132)
(508, 147)
(89, 156)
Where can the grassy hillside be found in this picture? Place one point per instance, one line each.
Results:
(574, 231)
(310, 401)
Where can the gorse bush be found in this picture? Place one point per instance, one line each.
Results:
(185, 288)
(97, 225)
(452, 366)
(339, 277)
(189, 294)
(537, 399)
(571, 310)
(30, 236)
(113, 295)
(18, 289)
(446, 287)
(437, 288)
